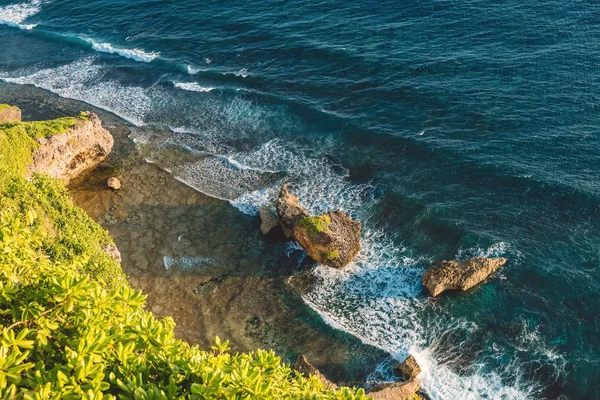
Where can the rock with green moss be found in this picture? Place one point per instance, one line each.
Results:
(332, 239)
(9, 114)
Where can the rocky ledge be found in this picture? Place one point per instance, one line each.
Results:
(459, 275)
(9, 114)
(332, 239)
(66, 155)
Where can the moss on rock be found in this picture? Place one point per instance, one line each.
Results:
(315, 225)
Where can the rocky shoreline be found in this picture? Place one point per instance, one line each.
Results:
(197, 258)
(173, 248)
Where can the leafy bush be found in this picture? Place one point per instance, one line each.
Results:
(73, 328)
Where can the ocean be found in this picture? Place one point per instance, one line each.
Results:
(449, 129)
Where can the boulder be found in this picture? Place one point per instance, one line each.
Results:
(268, 219)
(113, 252)
(66, 155)
(409, 369)
(459, 275)
(395, 390)
(332, 239)
(307, 369)
(9, 114)
(114, 183)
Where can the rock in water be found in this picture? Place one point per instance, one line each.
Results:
(395, 390)
(409, 369)
(290, 211)
(307, 369)
(332, 239)
(455, 275)
(268, 219)
(114, 183)
(9, 114)
(66, 155)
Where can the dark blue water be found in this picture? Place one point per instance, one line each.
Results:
(448, 128)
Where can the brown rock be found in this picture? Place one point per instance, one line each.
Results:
(113, 252)
(455, 275)
(114, 183)
(307, 369)
(395, 390)
(332, 239)
(9, 114)
(290, 211)
(66, 155)
(268, 219)
(409, 368)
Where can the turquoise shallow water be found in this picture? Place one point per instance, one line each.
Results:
(448, 129)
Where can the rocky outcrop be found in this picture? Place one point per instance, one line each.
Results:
(307, 369)
(459, 275)
(332, 239)
(66, 155)
(9, 114)
(395, 390)
(409, 369)
(268, 219)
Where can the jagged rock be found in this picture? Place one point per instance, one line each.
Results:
(114, 183)
(409, 368)
(395, 390)
(306, 368)
(455, 275)
(9, 114)
(290, 211)
(268, 219)
(113, 252)
(66, 155)
(332, 239)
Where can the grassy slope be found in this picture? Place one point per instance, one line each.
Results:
(71, 325)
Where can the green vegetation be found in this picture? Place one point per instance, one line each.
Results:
(5, 106)
(73, 328)
(18, 140)
(315, 225)
(331, 255)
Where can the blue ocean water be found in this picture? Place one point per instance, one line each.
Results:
(448, 128)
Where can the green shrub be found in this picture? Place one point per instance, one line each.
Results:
(5, 106)
(315, 225)
(331, 255)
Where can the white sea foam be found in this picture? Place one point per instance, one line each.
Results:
(186, 263)
(82, 80)
(243, 73)
(377, 298)
(14, 14)
(193, 70)
(133, 54)
(192, 86)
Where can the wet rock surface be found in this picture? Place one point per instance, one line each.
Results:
(409, 368)
(395, 390)
(268, 219)
(306, 368)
